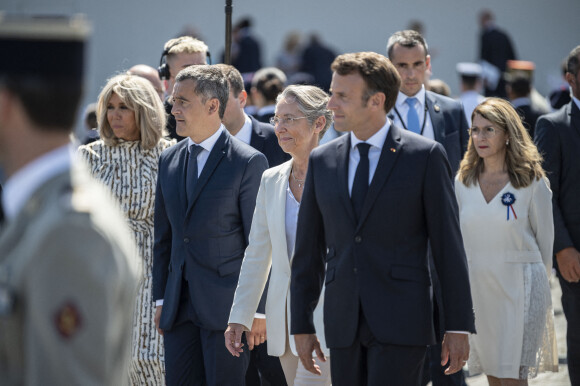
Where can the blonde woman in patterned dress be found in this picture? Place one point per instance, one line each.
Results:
(131, 125)
(505, 211)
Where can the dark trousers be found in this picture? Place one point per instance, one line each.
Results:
(264, 370)
(197, 356)
(434, 372)
(571, 306)
(369, 362)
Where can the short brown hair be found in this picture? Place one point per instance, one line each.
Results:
(234, 78)
(210, 83)
(377, 71)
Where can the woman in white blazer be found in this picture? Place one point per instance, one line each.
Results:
(300, 120)
(505, 211)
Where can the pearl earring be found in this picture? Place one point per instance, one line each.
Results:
(507, 142)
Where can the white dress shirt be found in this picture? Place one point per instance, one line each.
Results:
(291, 220)
(577, 101)
(207, 145)
(524, 101)
(403, 108)
(270, 109)
(245, 133)
(376, 141)
(22, 184)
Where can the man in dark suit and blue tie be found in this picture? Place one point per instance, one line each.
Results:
(434, 116)
(558, 138)
(205, 198)
(439, 118)
(372, 201)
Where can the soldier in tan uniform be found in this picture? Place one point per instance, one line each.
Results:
(68, 268)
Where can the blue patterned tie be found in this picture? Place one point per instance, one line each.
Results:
(360, 185)
(412, 117)
(191, 176)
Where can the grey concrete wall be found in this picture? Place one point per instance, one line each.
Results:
(126, 32)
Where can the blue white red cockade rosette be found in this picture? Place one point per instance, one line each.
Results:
(508, 199)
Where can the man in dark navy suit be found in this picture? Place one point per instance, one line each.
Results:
(372, 201)
(439, 118)
(205, 198)
(558, 138)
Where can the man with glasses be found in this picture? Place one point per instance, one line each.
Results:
(438, 118)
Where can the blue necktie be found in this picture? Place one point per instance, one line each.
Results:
(412, 117)
(191, 175)
(360, 185)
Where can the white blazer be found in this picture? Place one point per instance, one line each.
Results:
(267, 248)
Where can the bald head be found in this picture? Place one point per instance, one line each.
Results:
(149, 73)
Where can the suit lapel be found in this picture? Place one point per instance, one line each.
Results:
(574, 115)
(387, 159)
(217, 153)
(342, 163)
(279, 208)
(436, 117)
(257, 140)
(182, 158)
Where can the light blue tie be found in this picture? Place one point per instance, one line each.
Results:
(412, 117)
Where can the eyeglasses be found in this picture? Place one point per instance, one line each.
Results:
(486, 132)
(287, 121)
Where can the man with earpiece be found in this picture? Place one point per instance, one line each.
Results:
(178, 54)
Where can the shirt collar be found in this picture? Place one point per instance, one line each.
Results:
(245, 133)
(270, 109)
(577, 101)
(377, 139)
(208, 143)
(22, 184)
(524, 101)
(401, 98)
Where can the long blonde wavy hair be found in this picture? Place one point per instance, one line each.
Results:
(522, 159)
(141, 98)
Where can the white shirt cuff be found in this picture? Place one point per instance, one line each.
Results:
(257, 315)
(158, 302)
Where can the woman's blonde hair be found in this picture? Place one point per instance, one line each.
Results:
(522, 159)
(140, 97)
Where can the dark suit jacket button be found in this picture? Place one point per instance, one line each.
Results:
(358, 239)
(186, 240)
(355, 270)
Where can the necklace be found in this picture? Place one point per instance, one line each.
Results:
(300, 182)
